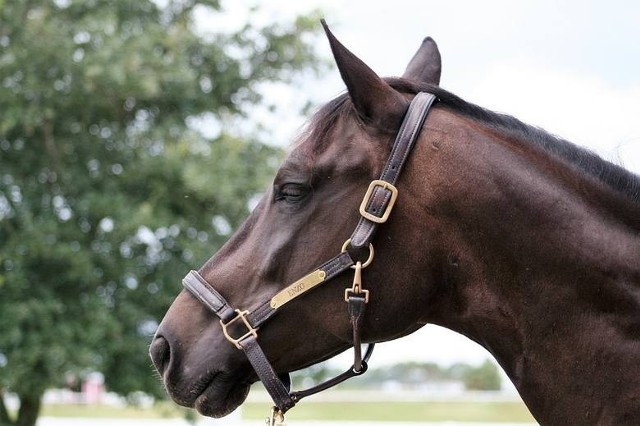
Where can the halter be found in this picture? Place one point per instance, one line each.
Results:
(374, 210)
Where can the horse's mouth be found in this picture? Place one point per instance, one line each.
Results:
(220, 396)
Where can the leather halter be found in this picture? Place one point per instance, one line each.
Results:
(374, 210)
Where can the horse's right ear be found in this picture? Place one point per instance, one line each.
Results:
(426, 64)
(377, 103)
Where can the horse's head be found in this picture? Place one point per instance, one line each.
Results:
(303, 220)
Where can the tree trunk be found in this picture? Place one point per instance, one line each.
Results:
(29, 410)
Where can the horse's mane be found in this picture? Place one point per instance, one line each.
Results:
(614, 176)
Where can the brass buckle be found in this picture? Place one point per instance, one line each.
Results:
(367, 197)
(242, 315)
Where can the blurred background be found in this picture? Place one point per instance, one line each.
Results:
(136, 135)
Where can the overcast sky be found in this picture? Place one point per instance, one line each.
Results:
(570, 67)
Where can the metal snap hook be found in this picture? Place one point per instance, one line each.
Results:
(276, 418)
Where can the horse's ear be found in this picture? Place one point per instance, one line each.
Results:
(377, 103)
(426, 64)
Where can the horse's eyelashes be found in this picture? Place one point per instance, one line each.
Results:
(292, 192)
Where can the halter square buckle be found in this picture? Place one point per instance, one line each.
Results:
(367, 198)
(242, 315)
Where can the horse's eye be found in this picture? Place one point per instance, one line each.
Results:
(292, 192)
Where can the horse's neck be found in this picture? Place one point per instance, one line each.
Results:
(542, 276)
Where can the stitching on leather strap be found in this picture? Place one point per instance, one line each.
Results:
(268, 376)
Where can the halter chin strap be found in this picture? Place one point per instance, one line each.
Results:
(374, 210)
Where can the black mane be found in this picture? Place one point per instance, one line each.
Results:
(616, 177)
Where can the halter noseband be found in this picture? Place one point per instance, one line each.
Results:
(374, 210)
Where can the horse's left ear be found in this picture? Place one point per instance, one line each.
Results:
(377, 103)
(426, 64)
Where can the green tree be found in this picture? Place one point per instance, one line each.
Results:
(483, 377)
(108, 192)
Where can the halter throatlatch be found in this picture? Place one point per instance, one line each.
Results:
(375, 209)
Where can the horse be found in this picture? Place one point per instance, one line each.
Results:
(521, 241)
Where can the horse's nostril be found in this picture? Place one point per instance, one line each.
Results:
(160, 353)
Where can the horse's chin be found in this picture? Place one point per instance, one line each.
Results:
(218, 401)
(215, 395)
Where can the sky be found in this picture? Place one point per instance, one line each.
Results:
(569, 67)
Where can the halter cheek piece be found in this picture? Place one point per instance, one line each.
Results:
(374, 210)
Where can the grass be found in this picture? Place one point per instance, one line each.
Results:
(161, 410)
(430, 411)
(400, 411)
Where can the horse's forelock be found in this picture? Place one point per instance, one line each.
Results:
(315, 137)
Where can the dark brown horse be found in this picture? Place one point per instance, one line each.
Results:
(523, 242)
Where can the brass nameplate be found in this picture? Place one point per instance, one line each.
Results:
(299, 287)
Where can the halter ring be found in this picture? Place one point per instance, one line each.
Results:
(368, 261)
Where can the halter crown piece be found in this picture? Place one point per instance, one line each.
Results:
(374, 210)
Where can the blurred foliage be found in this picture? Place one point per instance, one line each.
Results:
(409, 375)
(109, 192)
(484, 377)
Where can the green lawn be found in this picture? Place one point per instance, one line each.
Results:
(158, 411)
(430, 411)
